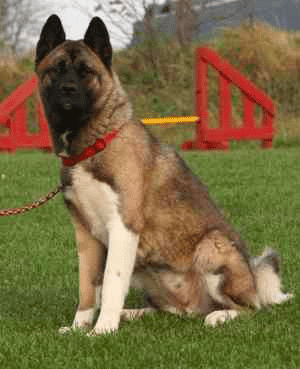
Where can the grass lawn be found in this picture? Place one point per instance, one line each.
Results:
(259, 190)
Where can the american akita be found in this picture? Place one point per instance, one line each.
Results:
(140, 215)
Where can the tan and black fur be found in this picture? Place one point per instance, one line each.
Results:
(138, 198)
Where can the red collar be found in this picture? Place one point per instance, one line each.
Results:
(98, 146)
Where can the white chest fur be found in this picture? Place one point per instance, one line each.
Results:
(96, 200)
(98, 203)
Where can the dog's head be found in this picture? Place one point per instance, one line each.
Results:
(74, 77)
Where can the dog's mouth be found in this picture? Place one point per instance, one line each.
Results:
(67, 105)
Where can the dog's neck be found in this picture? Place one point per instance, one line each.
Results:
(115, 113)
(98, 146)
(116, 108)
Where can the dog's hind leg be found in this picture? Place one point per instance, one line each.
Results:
(130, 314)
(266, 269)
(217, 256)
(267, 273)
(91, 254)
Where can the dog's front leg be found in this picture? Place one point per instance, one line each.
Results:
(91, 254)
(118, 270)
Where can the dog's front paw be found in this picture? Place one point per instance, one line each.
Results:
(68, 330)
(99, 331)
(105, 325)
(83, 321)
(102, 329)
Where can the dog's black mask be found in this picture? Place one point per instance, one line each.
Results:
(66, 71)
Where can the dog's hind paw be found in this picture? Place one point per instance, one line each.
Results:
(282, 297)
(220, 316)
(65, 330)
(130, 314)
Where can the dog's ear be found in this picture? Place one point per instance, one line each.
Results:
(52, 35)
(97, 38)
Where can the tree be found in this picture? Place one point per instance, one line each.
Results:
(189, 14)
(20, 19)
(192, 14)
(3, 14)
(186, 21)
(122, 14)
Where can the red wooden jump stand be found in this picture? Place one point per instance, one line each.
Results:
(14, 111)
(218, 138)
(14, 115)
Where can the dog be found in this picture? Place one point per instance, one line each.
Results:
(141, 217)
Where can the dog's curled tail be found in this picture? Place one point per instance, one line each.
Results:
(266, 270)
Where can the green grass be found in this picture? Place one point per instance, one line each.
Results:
(258, 189)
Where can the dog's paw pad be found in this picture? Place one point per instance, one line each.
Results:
(220, 316)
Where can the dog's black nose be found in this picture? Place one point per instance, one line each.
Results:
(69, 88)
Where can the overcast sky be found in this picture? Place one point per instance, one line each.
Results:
(75, 21)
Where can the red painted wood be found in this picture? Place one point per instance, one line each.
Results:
(202, 97)
(4, 119)
(248, 120)
(235, 77)
(212, 138)
(225, 102)
(215, 134)
(20, 94)
(14, 115)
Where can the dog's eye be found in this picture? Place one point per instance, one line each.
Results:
(50, 73)
(84, 71)
(58, 68)
(61, 66)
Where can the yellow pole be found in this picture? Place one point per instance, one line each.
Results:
(170, 120)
